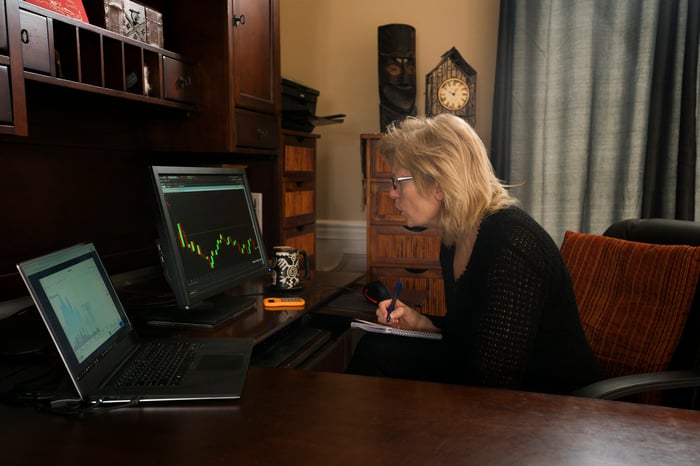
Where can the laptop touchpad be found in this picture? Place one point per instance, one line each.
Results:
(215, 362)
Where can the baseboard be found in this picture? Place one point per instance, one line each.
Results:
(341, 245)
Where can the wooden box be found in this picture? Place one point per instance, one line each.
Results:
(135, 20)
(154, 27)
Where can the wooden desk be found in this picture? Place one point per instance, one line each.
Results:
(282, 338)
(281, 329)
(289, 417)
(259, 324)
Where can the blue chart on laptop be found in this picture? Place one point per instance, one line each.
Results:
(84, 306)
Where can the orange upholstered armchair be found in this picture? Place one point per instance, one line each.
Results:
(637, 291)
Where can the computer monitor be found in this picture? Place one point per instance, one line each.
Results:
(209, 241)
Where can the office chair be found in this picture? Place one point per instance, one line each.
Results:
(637, 291)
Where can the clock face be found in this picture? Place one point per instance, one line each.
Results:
(453, 94)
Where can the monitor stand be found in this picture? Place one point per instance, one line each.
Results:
(210, 313)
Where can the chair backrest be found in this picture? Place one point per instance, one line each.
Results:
(669, 231)
(634, 299)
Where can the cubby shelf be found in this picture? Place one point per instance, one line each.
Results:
(59, 50)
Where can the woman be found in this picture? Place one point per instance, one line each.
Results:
(511, 319)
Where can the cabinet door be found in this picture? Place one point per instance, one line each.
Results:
(13, 109)
(5, 96)
(256, 54)
(36, 51)
(3, 29)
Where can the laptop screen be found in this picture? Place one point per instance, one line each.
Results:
(72, 290)
(83, 306)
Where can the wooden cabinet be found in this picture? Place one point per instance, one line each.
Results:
(220, 65)
(83, 97)
(393, 252)
(235, 44)
(13, 112)
(61, 51)
(298, 196)
(288, 187)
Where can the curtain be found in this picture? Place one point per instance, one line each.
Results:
(595, 110)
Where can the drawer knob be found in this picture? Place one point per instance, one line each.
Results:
(183, 81)
(24, 36)
(262, 133)
(238, 20)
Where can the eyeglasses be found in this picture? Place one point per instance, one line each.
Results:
(396, 180)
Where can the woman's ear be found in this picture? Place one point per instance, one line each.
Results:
(439, 194)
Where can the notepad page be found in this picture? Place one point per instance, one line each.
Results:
(379, 328)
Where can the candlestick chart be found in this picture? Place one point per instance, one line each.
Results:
(213, 230)
(209, 255)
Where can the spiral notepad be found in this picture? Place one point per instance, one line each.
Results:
(379, 328)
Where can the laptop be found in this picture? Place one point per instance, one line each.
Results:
(101, 350)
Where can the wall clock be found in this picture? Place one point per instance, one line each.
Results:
(450, 87)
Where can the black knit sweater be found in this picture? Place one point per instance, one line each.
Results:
(512, 319)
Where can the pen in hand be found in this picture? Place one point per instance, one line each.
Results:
(393, 301)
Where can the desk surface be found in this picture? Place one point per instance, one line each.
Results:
(298, 417)
(260, 324)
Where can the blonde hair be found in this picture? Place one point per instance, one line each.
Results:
(445, 152)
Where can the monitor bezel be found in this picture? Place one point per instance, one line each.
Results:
(167, 241)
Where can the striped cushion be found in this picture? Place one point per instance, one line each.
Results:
(633, 298)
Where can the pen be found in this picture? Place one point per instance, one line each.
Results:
(393, 302)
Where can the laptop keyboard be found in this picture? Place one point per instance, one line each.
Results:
(158, 364)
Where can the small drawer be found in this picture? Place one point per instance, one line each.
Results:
(34, 34)
(378, 165)
(256, 130)
(178, 80)
(299, 159)
(298, 201)
(394, 245)
(5, 96)
(382, 207)
(428, 280)
(303, 238)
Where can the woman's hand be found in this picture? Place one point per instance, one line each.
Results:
(404, 317)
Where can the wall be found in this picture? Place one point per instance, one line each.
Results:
(331, 45)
